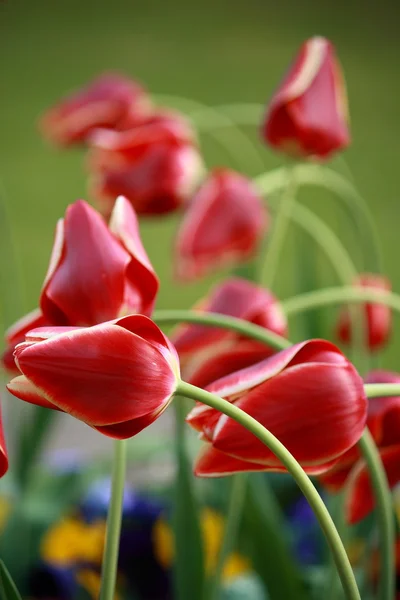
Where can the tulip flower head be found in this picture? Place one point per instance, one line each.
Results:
(377, 317)
(222, 226)
(209, 353)
(109, 101)
(96, 273)
(309, 396)
(117, 377)
(383, 421)
(308, 114)
(156, 165)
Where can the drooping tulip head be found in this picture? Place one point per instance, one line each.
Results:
(308, 114)
(209, 353)
(377, 318)
(309, 396)
(110, 100)
(223, 225)
(156, 165)
(118, 377)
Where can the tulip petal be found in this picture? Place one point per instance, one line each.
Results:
(318, 411)
(127, 429)
(3, 451)
(238, 298)
(124, 225)
(213, 463)
(223, 224)
(85, 283)
(201, 415)
(212, 368)
(24, 389)
(144, 327)
(16, 334)
(309, 351)
(360, 499)
(102, 374)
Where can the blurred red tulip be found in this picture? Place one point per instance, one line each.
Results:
(117, 377)
(156, 165)
(209, 353)
(377, 317)
(383, 421)
(308, 114)
(111, 100)
(3, 451)
(96, 273)
(223, 225)
(309, 396)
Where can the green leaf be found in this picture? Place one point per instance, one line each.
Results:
(188, 564)
(8, 589)
(266, 529)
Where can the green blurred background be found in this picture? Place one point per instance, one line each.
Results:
(214, 51)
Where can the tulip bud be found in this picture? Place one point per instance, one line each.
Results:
(209, 353)
(300, 395)
(223, 225)
(96, 273)
(117, 377)
(377, 318)
(109, 101)
(308, 114)
(155, 165)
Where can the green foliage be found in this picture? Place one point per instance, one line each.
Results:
(8, 589)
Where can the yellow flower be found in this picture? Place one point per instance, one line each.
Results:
(72, 540)
(212, 528)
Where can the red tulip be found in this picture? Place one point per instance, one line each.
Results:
(109, 101)
(209, 353)
(96, 272)
(309, 396)
(377, 317)
(383, 421)
(3, 451)
(155, 165)
(222, 226)
(308, 114)
(117, 377)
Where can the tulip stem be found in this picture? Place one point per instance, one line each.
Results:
(339, 295)
(235, 508)
(384, 511)
(339, 554)
(277, 239)
(111, 548)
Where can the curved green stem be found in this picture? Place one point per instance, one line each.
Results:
(339, 295)
(235, 508)
(341, 560)
(385, 513)
(281, 224)
(111, 548)
(381, 390)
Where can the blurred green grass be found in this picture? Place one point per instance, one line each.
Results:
(215, 52)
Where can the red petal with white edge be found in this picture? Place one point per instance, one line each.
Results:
(384, 413)
(3, 451)
(86, 283)
(360, 500)
(318, 411)
(101, 375)
(145, 328)
(24, 389)
(311, 351)
(241, 356)
(127, 429)
(16, 334)
(43, 333)
(140, 273)
(336, 478)
(238, 298)
(213, 463)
